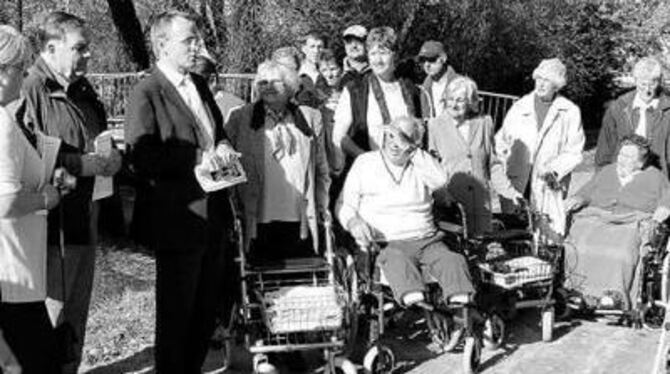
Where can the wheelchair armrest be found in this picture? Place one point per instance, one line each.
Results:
(451, 227)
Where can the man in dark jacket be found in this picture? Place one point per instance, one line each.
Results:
(644, 111)
(173, 125)
(433, 60)
(62, 103)
(355, 63)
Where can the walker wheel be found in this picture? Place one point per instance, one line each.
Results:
(547, 324)
(263, 366)
(379, 360)
(472, 351)
(494, 332)
(652, 316)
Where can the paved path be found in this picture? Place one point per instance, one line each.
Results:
(580, 347)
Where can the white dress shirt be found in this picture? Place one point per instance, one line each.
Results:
(641, 128)
(189, 93)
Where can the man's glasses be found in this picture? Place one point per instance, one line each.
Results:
(431, 60)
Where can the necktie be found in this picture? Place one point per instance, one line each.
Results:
(194, 102)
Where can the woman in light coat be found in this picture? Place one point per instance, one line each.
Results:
(462, 139)
(283, 154)
(541, 142)
(25, 196)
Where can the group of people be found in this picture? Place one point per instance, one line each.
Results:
(323, 138)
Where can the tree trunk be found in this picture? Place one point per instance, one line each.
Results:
(130, 30)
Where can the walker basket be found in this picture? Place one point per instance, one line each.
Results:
(302, 309)
(516, 272)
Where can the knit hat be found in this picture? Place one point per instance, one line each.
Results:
(552, 70)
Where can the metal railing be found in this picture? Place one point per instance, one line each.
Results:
(114, 91)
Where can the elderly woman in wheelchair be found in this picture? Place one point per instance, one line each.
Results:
(386, 204)
(387, 200)
(613, 217)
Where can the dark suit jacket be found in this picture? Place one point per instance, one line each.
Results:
(164, 146)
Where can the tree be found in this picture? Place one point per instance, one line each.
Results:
(130, 31)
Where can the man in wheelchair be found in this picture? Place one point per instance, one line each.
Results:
(387, 201)
(614, 215)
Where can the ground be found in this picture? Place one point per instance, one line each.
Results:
(120, 332)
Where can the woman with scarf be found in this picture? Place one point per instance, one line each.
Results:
(283, 155)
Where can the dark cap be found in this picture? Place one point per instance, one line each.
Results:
(431, 48)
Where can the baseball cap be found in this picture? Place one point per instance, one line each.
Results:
(356, 31)
(431, 48)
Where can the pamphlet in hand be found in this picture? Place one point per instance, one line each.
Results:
(220, 179)
(104, 186)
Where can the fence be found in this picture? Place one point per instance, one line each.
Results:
(114, 90)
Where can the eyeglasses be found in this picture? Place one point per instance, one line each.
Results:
(431, 60)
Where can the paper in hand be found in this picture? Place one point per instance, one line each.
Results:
(220, 179)
(104, 186)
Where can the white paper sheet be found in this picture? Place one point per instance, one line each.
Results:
(104, 186)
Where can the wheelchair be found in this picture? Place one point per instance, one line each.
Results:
(294, 305)
(653, 281)
(449, 324)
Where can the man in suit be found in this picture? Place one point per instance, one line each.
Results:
(433, 60)
(173, 125)
(644, 111)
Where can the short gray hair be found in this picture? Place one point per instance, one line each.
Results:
(471, 92)
(161, 24)
(14, 48)
(55, 25)
(648, 67)
(288, 76)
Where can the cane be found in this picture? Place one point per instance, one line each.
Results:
(65, 333)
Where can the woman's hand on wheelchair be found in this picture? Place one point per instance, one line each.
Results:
(661, 214)
(573, 204)
(361, 232)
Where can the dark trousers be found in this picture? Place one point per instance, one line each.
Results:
(276, 241)
(188, 290)
(404, 261)
(28, 332)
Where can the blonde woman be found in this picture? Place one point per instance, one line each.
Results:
(462, 139)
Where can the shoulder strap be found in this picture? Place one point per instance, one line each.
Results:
(358, 98)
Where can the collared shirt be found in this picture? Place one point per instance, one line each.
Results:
(283, 177)
(189, 93)
(464, 130)
(437, 90)
(642, 107)
(360, 67)
(313, 74)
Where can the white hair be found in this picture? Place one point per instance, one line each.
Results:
(288, 76)
(647, 67)
(14, 48)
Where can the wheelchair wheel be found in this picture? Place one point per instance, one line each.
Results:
(379, 360)
(561, 308)
(547, 324)
(472, 352)
(494, 332)
(652, 316)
